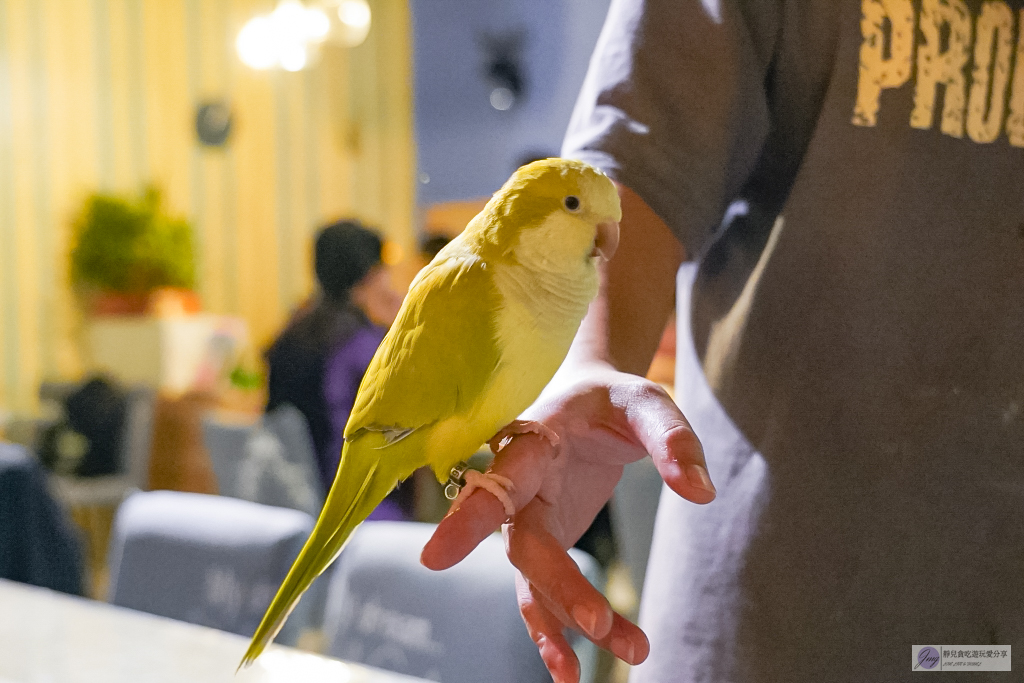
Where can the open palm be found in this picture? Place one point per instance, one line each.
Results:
(604, 419)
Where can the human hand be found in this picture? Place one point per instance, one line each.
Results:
(605, 419)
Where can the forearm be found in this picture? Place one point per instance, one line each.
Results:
(626, 320)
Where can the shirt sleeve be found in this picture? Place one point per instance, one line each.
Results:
(674, 105)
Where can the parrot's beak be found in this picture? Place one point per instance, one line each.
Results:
(607, 240)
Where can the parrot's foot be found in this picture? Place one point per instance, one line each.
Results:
(498, 485)
(516, 427)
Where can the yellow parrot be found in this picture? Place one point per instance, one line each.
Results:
(481, 332)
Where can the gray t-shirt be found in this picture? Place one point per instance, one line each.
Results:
(858, 318)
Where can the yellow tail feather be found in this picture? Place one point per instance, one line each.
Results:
(321, 549)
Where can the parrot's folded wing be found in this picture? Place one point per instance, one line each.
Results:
(437, 357)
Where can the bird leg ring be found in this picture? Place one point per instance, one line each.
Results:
(455, 480)
(462, 481)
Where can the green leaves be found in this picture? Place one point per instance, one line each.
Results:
(129, 246)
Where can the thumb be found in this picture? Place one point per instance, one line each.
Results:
(665, 434)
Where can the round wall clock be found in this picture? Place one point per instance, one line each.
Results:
(213, 123)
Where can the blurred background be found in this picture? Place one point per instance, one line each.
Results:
(432, 109)
(166, 167)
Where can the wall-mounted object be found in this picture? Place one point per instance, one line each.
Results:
(495, 84)
(213, 123)
(503, 67)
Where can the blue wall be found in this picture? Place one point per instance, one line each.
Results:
(465, 146)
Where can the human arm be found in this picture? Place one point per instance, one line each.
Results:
(606, 415)
(674, 108)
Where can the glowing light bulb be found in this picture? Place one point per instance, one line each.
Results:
(354, 16)
(289, 36)
(256, 44)
(317, 24)
(289, 18)
(293, 57)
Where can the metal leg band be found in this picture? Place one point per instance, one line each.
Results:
(455, 481)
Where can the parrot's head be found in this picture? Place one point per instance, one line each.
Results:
(556, 213)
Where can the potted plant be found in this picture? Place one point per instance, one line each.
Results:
(125, 249)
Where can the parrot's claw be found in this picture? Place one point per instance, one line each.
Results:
(498, 485)
(516, 427)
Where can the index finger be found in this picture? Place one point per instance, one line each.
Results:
(524, 461)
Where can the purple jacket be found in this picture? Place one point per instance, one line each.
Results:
(343, 372)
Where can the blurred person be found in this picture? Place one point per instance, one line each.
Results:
(849, 344)
(318, 361)
(431, 244)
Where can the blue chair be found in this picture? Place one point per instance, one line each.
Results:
(461, 625)
(207, 560)
(271, 462)
(225, 442)
(38, 544)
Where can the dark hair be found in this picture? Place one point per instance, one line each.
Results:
(344, 253)
(431, 244)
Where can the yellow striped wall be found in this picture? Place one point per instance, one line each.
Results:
(101, 94)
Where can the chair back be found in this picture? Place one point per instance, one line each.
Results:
(38, 543)
(297, 480)
(270, 462)
(207, 560)
(460, 625)
(225, 443)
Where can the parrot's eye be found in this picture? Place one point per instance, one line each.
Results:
(572, 203)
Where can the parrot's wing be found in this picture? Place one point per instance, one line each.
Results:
(437, 357)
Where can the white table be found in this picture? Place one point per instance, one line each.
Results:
(48, 637)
